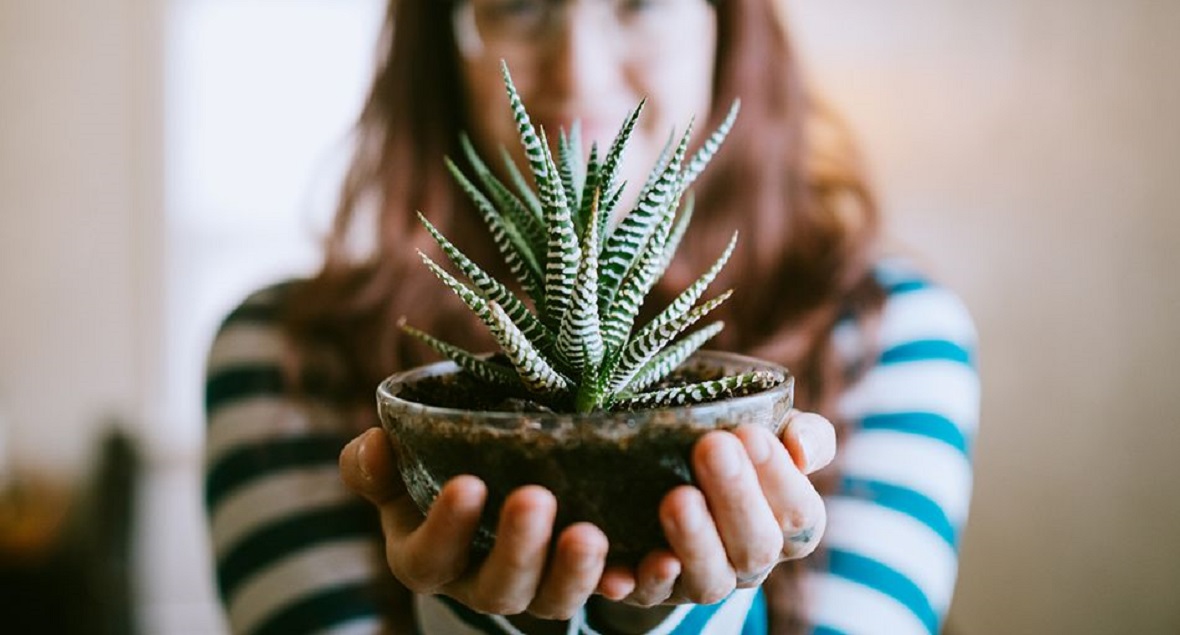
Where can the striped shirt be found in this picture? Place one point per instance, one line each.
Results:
(296, 552)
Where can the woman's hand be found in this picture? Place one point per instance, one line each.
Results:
(753, 508)
(432, 555)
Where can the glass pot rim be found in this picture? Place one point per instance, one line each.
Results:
(389, 389)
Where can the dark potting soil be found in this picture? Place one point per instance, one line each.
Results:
(463, 391)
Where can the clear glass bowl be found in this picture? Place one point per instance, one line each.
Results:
(608, 468)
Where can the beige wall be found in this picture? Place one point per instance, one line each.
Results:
(78, 221)
(1028, 149)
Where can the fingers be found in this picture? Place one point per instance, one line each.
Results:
(706, 576)
(432, 554)
(745, 521)
(577, 564)
(428, 554)
(810, 439)
(655, 579)
(507, 581)
(617, 583)
(367, 467)
(798, 509)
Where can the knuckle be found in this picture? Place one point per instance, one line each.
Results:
(643, 600)
(419, 586)
(710, 589)
(553, 612)
(488, 601)
(803, 536)
(648, 597)
(417, 576)
(714, 593)
(493, 604)
(755, 561)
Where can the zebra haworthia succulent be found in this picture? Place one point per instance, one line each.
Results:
(578, 348)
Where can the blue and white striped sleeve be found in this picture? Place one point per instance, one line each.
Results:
(905, 470)
(295, 552)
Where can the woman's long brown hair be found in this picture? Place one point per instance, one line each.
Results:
(788, 178)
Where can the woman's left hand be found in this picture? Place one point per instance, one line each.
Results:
(753, 507)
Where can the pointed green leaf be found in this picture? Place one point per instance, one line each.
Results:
(606, 213)
(703, 392)
(523, 189)
(484, 370)
(687, 298)
(649, 341)
(610, 163)
(638, 281)
(670, 358)
(492, 289)
(512, 244)
(701, 158)
(590, 192)
(473, 300)
(507, 203)
(561, 261)
(535, 371)
(534, 149)
(580, 337)
(626, 242)
(678, 231)
(569, 158)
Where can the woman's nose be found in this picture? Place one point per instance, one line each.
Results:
(584, 58)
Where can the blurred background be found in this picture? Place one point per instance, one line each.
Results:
(160, 158)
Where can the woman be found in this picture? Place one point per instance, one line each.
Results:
(884, 353)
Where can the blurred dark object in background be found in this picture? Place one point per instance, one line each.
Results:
(65, 550)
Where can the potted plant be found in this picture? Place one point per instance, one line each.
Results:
(581, 400)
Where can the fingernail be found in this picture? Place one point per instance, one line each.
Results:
(725, 461)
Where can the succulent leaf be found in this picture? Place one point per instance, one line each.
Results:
(625, 244)
(591, 193)
(580, 337)
(535, 151)
(561, 260)
(535, 372)
(697, 163)
(681, 226)
(492, 289)
(576, 348)
(734, 386)
(687, 298)
(508, 239)
(620, 316)
(530, 199)
(511, 206)
(609, 171)
(569, 159)
(649, 341)
(668, 359)
(484, 370)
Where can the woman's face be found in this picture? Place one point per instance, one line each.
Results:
(590, 61)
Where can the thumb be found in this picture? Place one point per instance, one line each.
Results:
(810, 439)
(368, 468)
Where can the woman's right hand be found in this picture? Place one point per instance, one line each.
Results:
(432, 554)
